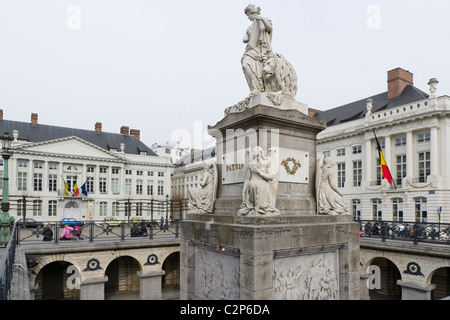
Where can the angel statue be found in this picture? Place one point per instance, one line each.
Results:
(261, 183)
(203, 198)
(329, 200)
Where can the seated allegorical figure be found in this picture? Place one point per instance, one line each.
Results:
(203, 198)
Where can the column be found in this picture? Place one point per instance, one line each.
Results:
(367, 164)
(410, 155)
(150, 285)
(413, 291)
(93, 289)
(434, 151)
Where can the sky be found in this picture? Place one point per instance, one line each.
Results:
(171, 68)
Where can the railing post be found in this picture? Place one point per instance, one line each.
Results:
(91, 231)
(122, 231)
(56, 235)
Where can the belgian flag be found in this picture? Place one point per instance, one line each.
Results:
(383, 165)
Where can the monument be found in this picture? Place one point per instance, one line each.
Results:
(277, 230)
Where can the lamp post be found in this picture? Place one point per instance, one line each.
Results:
(167, 212)
(5, 220)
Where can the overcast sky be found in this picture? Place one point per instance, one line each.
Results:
(171, 67)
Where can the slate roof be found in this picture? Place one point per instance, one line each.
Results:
(197, 156)
(105, 140)
(357, 110)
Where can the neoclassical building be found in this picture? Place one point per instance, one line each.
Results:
(413, 128)
(114, 169)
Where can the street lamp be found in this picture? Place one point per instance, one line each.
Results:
(5, 220)
(167, 212)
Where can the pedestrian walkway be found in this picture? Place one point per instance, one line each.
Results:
(168, 293)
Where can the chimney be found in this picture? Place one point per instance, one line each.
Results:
(124, 130)
(1, 113)
(34, 119)
(398, 79)
(136, 133)
(98, 127)
(312, 112)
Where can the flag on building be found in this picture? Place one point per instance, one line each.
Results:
(66, 187)
(383, 165)
(76, 192)
(83, 188)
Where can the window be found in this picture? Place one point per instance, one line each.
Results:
(326, 153)
(115, 170)
(90, 169)
(340, 152)
(160, 174)
(357, 173)
(19, 207)
(149, 187)
(21, 181)
(379, 174)
(37, 207)
(356, 149)
(102, 185)
(127, 186)
(139, 172)
(150, 173)
(103, 170)
(401, 168)
(168, 150)
(139, 207)
(356, 207)
(52, 208)
(160, 188)
(115, 185)
(52, 182)
(90, 185)
(128, 172)
(102, 209)
(397, 209)
(139, 187)
(37, 182)
(424, 166)
(340, 175)
(38, 164)
(400, 142)
(377, 209)
(22, 163)
(52, 166)
(420, 205)
(423, 137)
(115, 209)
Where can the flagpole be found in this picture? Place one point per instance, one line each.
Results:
(380, 153)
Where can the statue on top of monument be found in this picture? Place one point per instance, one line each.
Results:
(329, 200)
(264, 70)
(258, 39)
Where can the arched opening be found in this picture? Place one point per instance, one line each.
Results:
(72, 210)
(441, 278)
(387, 287)
(171, 279)
(53, 283)
(123, 282)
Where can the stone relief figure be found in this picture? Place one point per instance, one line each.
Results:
(203, 198)
(329, 199)
(279, 76)
(260, 184)
(258, 39)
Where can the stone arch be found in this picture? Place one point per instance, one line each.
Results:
(44, 261)
(440, 277)
(170, 281)
(55, 281)
(122, 272)
(390, 273)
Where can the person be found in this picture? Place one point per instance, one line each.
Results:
(47, 233)
(143, 231)
(258, 39)
(134, 232)
(78, 231)
(203, 198)
(67, 233)
(161, 226)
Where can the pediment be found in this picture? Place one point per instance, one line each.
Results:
(69, 147)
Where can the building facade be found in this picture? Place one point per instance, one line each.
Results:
(57, 173)
(413, 129)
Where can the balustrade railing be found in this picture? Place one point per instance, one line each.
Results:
(7, 266)
(57, 232)
(403, 230)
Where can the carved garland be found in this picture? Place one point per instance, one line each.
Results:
(295, 167)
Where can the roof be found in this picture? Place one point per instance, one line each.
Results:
(200, 155)
(357, 110)
(105, 140)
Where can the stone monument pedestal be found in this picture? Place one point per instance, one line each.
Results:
(286, 257)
